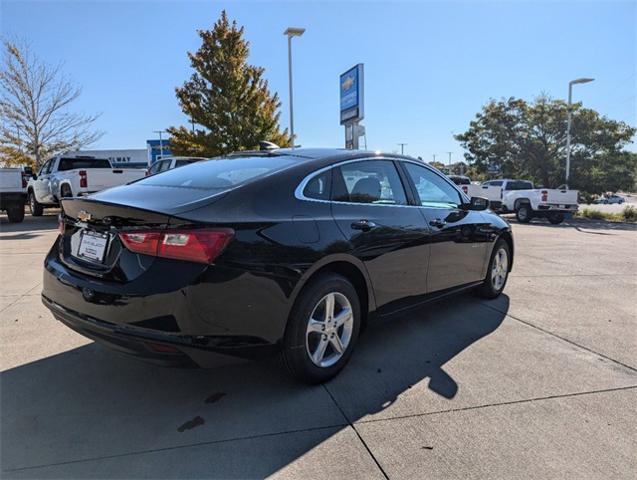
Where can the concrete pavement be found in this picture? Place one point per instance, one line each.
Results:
(539, 383)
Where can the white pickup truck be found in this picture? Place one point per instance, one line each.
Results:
(62, 177)
(13, 193)
(519, 196)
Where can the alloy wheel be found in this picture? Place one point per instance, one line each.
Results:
(329, 329)
(499, 269)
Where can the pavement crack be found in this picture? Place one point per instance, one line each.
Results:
(499, 404)
(564, 339)
(175, 447)
(382, 470)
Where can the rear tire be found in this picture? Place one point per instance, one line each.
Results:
(556, 218)
(15, 213)
(523, 213)
(497, 272)
(35, 207)
(312, 335)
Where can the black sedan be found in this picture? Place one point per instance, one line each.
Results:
(280, 251)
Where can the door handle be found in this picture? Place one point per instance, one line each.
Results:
(364, 225)
(438, 223)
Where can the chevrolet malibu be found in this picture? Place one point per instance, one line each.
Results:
(288, 252)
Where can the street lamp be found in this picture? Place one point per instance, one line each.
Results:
(291, 32)
(568, 123)
(161, 143)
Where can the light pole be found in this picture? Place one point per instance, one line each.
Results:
(568, 123)
(291, 32)
(161, 142)
(402, 147)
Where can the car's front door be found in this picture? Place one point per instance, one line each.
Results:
(370, 206)
(42, 186)
(460, 237)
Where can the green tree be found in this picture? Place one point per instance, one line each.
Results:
(227, 99)
(528, 140)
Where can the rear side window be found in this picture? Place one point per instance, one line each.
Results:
(220, 173)
(319, 186)
(82, 163)
(369, 181)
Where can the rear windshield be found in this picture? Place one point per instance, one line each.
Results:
(83, 163)
(181, 163)
(519, 185)
(460, 180)
(220, 173)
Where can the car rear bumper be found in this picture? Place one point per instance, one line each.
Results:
(153, 346)
(174, 315)
(558, 208)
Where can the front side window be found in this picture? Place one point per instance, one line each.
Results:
(45, 168)
(496, 183)
(433, 190)
(369, 181)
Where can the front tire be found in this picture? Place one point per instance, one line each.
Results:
(35, 207)
(498, 271)
(322, 329)
(524, 213)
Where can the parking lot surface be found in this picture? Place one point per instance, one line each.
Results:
(540, 383)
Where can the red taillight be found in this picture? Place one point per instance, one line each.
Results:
(83, 179)
(24, 180)
(465, 189)
(201, 246)
(545, 195)
(146, 172)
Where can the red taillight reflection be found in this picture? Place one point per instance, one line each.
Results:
(83, 179)
(61, 224)
(201, 246)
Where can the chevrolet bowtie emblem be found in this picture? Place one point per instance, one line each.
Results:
(84, 216)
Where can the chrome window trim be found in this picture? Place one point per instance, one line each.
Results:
(298, 192)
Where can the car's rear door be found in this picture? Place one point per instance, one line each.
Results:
(370, 206)
(459, 239)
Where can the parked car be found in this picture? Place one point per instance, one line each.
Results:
(169, 163)
(64, 177)
(13, 195)
(288, 251)
(609, 199)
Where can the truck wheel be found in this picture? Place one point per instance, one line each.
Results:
(15, 213)
(524, 213)
(556, 218)
(35, 207)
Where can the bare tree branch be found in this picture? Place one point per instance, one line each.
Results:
(34, 120)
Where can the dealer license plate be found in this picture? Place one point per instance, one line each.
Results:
(93, 246)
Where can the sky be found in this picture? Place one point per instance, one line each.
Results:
(429, 66)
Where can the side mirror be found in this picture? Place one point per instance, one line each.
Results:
(478, 203)
(34, 176)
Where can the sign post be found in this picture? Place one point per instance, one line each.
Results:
(352, 111)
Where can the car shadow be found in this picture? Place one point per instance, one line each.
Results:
(89, 413)
(48, 221)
